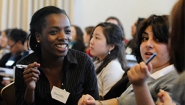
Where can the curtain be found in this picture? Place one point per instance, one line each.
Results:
(18, 13)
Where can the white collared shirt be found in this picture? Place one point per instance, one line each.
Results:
(163, 72)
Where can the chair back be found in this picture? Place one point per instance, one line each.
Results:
(8, 94)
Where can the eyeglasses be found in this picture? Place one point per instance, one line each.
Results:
(13, 45)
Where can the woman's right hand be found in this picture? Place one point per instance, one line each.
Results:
(87, 100)
(31, 75)
(139, 73)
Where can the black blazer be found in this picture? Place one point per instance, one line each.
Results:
(118, 88)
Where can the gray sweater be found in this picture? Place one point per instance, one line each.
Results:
(178, 90)
(165, 82)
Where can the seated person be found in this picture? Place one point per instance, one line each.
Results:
(86, 38)
(4, 42)
(106, 46)
(152, 38)
(115, 20)
(177, 53)
(53, 69)
(77, 39)
(130, 44)
(16, 40)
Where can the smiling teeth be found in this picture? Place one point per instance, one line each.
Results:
(61, 46)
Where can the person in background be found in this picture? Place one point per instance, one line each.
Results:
(53, 69)
(177, 54)
(130, 44)
(177, 51)
(26, 48)
(16, 39)
(116, 21)
(106, 46)
(15, 42)
(152, 38)
(77, 39)
(4, 42)
(86, 38)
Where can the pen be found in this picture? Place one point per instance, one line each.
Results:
(21, 66)
(150, 58)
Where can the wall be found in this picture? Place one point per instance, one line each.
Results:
(91, 12)
(17, 13)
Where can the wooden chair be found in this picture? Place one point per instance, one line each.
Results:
(8, 94)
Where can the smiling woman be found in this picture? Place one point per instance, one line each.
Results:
(53, 67)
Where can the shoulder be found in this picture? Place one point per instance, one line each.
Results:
(180, 79)
(114, 64)
(6, 56)
(80, 57)
(113, 68)
(167, 79)
(77, 54)
(165, 82)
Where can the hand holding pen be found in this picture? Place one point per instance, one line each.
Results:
(31, 75)
(140, 72)
(151, 57)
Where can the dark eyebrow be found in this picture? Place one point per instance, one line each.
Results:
(97, 34)
(67, 26)
(57, 27)
(54, 27)
(145, 33)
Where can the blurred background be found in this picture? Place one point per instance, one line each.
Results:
(17, 13)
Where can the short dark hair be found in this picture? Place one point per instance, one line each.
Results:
(114, 35)
(79, 33)
(37, 22)
(18, 35)
(160, 27)
(89, 29)
(119, 24)
(139, 21)
(177, 45)
(7, 31)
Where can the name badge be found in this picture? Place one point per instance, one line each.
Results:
(59, 94)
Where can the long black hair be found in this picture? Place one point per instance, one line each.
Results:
(114, 35)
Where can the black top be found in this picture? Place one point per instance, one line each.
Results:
(119, 87)
(79, 46)
(9, 57)
(78, 78)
